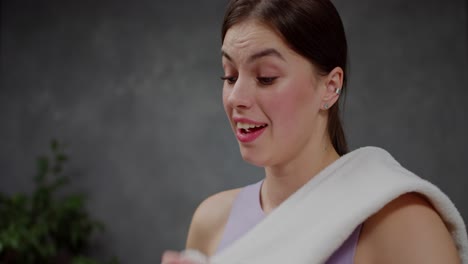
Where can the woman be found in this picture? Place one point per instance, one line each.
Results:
(285, 71)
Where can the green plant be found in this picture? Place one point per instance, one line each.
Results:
(44, 227)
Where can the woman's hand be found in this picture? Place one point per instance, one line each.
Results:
(184, 257)
(173, 257)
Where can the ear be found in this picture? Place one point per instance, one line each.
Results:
(333, 84)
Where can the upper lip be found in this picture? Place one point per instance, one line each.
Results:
(246, 120)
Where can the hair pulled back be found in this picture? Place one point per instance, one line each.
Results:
(313, 29)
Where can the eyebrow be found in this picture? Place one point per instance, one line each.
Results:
(258, 55)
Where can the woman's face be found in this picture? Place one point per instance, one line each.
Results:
(271, 95)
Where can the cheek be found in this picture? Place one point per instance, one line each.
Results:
(294, 102)
(225, 98)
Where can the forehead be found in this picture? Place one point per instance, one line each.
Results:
(251, 36)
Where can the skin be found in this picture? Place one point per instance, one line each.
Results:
(287, 93)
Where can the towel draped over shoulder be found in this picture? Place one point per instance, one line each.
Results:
(314, 221)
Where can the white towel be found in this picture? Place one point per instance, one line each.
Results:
(313, 222)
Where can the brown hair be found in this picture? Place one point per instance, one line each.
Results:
(313, 29)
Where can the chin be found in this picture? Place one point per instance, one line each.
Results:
(256, 158)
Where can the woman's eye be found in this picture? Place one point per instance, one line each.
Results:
(229, 79)
(266, 80)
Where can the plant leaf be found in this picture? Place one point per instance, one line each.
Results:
(61, 157)
(42, 169)
(54, 144)
(83, 260)
(59, 182)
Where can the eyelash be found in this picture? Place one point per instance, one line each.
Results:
(266, 80)
(261, 80)
(229, 79)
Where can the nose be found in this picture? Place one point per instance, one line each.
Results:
(240, 95)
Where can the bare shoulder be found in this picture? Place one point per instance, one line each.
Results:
(209, 220)
(407, 230)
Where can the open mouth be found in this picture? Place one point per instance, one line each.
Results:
(246, 128)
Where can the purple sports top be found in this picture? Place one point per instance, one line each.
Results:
(246, 212)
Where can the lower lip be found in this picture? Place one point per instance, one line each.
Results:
(248, 137)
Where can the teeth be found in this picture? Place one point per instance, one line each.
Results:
(246, 126)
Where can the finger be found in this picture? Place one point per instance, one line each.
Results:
(170, 257)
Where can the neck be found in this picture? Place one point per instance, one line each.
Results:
(283, 180)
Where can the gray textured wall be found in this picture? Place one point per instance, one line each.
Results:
(132, 88)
